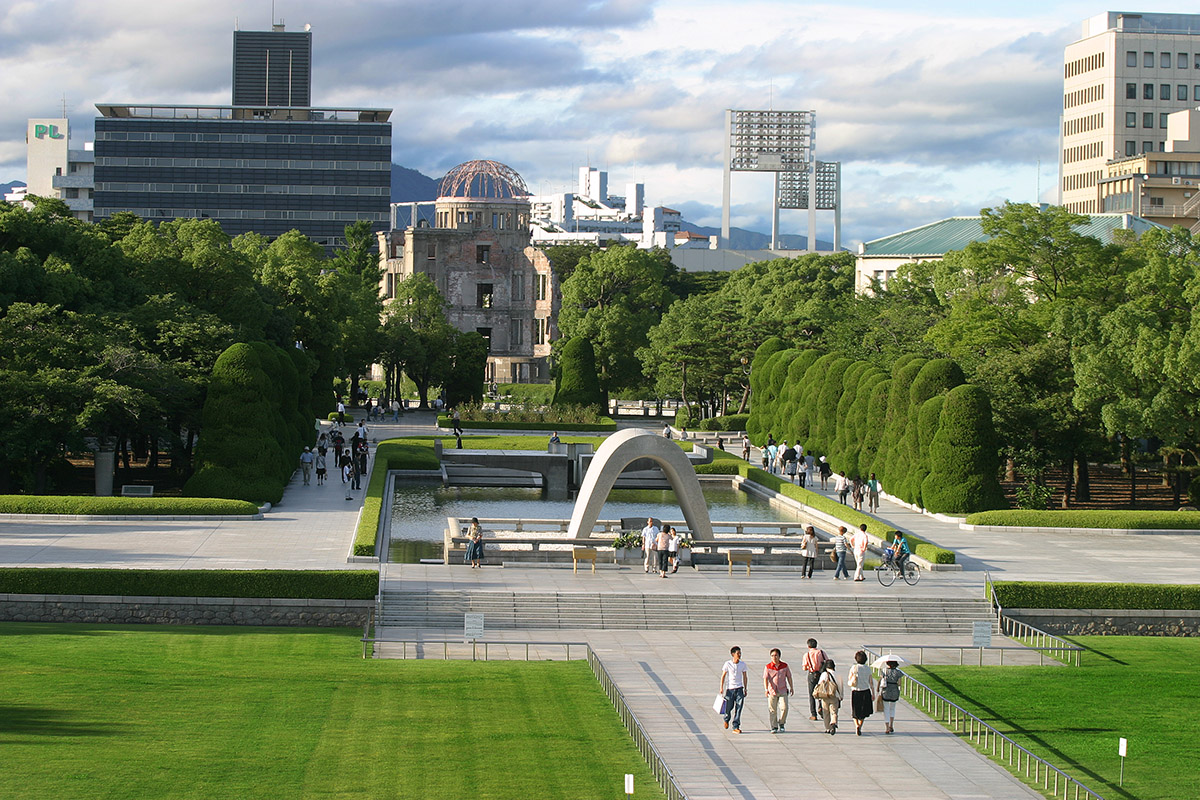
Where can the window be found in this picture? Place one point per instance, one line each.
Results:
(1130, 119)
(483, 295)
(539, 330)
(1130, 147)
(1147, 91)
(486, 333)
(1131, 91)
(1147, 59)
(539, 286)
(1131, 58)
(390, 280)
(482, 253)
(1148, 119)
(1162, 146)
(1147, 147)
(1196, 92)
(1156, 202)
(1164, 91)
(431, 251)
(516, 333)
(518, 287)
(72, 194)
(1162, 120)
(1181, 60)
(1164, 60)
(1181, 92)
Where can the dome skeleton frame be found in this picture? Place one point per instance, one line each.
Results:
(484, 180)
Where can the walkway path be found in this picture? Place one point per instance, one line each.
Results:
(670, 679)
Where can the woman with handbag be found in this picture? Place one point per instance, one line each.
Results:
(889, 690)
(861, 690)
(809, 543)
(829, 692)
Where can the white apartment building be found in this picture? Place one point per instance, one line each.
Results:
(1121, 80)
(590, 214)
(53, 169)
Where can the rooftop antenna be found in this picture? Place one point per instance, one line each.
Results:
(1037, 199)
(771, 96)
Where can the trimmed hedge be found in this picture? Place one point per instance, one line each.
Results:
(578, 382)
(729, 422)
(717, 468)
(390, 454)
(1131, 520)
(852, 518)
(605, 424)
(281, 583)
(687, 417)
(1139, 596)
(161, 506)
(333, 416)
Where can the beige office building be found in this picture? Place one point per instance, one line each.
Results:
(1121, 80)
(54, 169)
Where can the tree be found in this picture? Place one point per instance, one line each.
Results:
(963, 456)
(685, 355)
(468, 365)
(358, 269)
(416, 334)
(577, 383)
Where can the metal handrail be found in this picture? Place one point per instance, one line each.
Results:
(654, 760)
(1058, 647)
(963, 649)
(1052, 780)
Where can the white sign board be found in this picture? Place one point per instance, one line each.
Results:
(629, 782)
(982, 633)
(1121, 747)
(472, 626)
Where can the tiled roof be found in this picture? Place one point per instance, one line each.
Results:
(938, 238)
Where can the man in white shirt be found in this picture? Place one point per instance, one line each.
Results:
(650, 542)
(733, 686)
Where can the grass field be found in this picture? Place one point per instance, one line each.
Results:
(1140, 688)
(152, 712)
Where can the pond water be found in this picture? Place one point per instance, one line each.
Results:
(419, 510)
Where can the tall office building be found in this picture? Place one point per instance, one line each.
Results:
(272, 68)
(54, 169)
(1121, 79)
(266, 167)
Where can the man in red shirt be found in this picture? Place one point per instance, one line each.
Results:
(814, 665)
(777, 680)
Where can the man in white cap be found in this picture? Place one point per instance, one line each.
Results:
(306, 462)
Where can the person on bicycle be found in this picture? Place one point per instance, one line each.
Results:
(900, 551)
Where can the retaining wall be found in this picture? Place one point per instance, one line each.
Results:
(184, 610)
(1109, 621)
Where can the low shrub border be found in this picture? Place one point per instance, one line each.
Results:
(124, 506)
(729, 422)
(1137, 596)
(852, 518)
(1118, 520)
(390, 454)
(273, 583)
(605, 424)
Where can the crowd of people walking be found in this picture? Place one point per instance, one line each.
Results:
(800, 468)
(874, 688)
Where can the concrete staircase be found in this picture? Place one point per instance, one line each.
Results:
(548, 610)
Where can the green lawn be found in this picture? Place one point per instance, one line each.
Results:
(1140, 688)
(149, 712)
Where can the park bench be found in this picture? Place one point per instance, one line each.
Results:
(582, 554)
(740, 556)
(129, 490)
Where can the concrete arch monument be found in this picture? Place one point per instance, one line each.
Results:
(619, 451)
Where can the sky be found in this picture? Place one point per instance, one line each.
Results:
(933, 109)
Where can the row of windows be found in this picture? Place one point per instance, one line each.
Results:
(1131, 147)
(236, 138)
(241, 163)
(1085, 64)
(1084, 124)
(1081, 181)
(1164, 91)
(1080, 96)
(225, 188)
(1164, 60)
(1083, 151)
(248, 213)
(1131, 119)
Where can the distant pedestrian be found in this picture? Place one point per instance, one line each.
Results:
(829, 688)
(856, 493)
(554, 438)
(344, 460)
(745, 447)
(802, 471)
(840, 551)
(673, 549)
(475, 545)
(720, 442)
(649, 542)
(809, 543)
(889, 689)
(360, 434)
(814, 665)
(873, 490)
(361, 459)
(860, 543)
(455, 418)
(306, 464)
(321, 467)
(395, 409)
(663, 546)
(777, 680)
(341, 412)
(841, 485)
(733, 686)
(825, 471)
(858, 680)
(766, 459)
(666, 431)
(772, 451)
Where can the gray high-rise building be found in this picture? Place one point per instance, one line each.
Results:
(272, 68)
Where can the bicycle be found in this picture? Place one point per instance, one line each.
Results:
(887, 572)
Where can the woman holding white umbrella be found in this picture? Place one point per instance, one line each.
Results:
(889, 687)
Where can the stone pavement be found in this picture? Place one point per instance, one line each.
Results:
(670, 679)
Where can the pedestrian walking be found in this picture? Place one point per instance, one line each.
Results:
(841, 485)
(889, 689)
(745, 447)
(306, 464)
(829, 692)
(839, 552)
(789, 464)
(856, 493)
(766, 459)
(320, 463)
(673, 549)
(777, 681)
(862, 696)
(395, 409)
(809, 543)
(456, 420)
(733, 686)
(667, 431)
(859, 543)
(814, 665)
(649, 542)
(344, 465)
(360, 434)
(663, 545)
(720, 442)
(802, 471)
(825, 471)
(341, 412)
(873, 490)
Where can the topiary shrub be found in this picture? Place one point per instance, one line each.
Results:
(869, 455)
(578, 383)
(963, 456)
(824, 413)
(760, 397)
(729, 422)
(893, 452)
(687, 417)
(789, 404)
(927, 424)
(937, 376)
(856, 422)
(806, 392)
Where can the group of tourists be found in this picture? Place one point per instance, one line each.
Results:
(348, 458)
(790, 461)
(825, 690)
(661, 548)
(375, 409)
